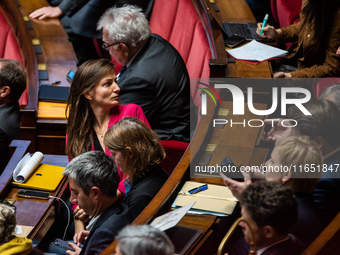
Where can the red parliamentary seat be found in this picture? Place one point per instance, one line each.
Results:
(325, 83)
(286, 12)
(180, 23)
(9, 46)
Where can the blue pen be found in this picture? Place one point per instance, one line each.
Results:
(264, 23)
(198, 189)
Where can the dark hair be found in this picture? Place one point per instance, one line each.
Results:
(81, 117)
(146, 148)
(324, 121)
(13, 75)
(319, 14)
(271, 204)
(94, 168)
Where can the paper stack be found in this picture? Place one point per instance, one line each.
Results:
(255, 51)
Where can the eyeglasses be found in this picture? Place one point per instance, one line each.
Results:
(106, 46)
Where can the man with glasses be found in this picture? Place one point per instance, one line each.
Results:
(154, 74)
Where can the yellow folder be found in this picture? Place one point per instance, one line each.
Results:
(44, 177)
(49, 110)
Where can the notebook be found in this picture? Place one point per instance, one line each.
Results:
(247, 30)
(44, 177)
(216, 200)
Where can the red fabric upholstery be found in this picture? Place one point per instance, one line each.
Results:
(325, 83)
(174, 152)
(178, 22)
(286, 12)
(9, 47)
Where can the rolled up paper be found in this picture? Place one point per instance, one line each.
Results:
(26, 166)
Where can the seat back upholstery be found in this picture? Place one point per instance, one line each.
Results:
(286, 12)
(185, 25)
(9, 46)
(180, 23)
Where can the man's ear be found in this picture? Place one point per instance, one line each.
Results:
(125, 49)
(96, 192)
(4, 91)
(268, 231)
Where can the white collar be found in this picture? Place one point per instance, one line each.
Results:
(260, 251)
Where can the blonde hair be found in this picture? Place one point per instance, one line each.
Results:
(302, 153)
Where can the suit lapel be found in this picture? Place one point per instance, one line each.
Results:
(114, 208)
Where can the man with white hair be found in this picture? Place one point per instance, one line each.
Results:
(153, 75)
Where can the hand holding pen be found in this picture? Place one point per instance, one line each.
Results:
(267, 31)
(264, 23)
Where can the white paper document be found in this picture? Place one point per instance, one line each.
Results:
(255, 51)
(171, 219)
(26, 166)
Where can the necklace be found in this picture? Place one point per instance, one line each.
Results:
(101, 135)
(100, 129)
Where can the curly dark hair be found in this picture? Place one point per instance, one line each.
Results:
(271, 204)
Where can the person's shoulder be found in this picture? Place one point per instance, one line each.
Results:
(118, 217)
(129, 107)
(291, 246)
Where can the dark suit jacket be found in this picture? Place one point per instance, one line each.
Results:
(9, 130)
(144, 189)
(158, 81)
(82, 15)
(327, 191)
(292, 246)
(309, 223)
(105, 229)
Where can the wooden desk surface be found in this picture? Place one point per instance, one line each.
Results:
(57, 58)
(237, 11)
(58, 54)
(36, 213)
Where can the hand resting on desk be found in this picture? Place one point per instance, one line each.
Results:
(46, 12)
